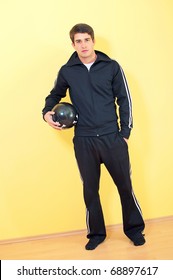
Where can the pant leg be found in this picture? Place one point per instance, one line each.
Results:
(89, 166)
(116, 159)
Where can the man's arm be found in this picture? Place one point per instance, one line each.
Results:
(123, 98)
(58, 92)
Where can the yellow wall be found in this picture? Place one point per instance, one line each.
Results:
(40, 187)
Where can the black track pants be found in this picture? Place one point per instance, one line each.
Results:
(112, 151)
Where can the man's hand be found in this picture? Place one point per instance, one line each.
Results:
(49, 120)
(126, 140)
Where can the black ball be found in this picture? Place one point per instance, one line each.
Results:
(65, 114)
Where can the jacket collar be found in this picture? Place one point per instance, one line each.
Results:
(74, 59)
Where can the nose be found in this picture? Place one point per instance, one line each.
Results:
(83, 45)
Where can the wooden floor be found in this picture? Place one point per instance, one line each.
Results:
(159, 245)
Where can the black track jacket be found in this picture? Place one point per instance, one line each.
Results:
(96, 94)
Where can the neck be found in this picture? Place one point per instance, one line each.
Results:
(90, 59)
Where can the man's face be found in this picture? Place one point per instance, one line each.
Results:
(84, 46)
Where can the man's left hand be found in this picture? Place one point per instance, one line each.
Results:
(126, 140)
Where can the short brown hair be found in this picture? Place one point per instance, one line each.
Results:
(81, 28)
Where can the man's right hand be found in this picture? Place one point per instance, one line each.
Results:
(49, 120)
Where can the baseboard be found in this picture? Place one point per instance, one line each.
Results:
(74, 232)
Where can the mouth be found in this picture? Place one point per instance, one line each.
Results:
(84, 51)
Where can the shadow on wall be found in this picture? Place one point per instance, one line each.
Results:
(139, 144)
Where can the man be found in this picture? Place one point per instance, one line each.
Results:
(97, 87)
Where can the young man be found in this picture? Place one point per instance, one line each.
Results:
(97, 86)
